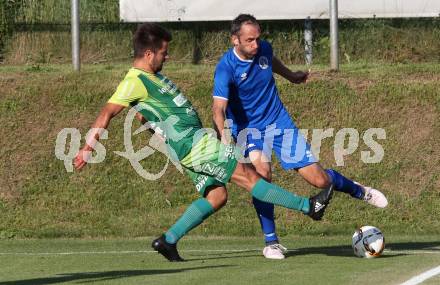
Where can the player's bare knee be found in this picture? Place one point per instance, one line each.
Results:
(217, 197)
(245, 176)
(322, 181)
(222, 200)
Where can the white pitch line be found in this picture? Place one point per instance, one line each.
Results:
(422, 277)
(188, 250)
(122, 252)
(412, 251)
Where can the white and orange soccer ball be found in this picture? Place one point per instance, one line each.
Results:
(368, 242)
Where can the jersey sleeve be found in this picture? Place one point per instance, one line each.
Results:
(129, 91)
(222, 81)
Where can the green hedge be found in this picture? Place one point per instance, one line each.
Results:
(42, 28)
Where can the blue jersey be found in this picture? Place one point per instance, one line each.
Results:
(249, 87)
(253, 102)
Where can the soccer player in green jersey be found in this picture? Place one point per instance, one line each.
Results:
(209, 163)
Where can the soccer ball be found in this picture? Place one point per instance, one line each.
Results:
(368, 242)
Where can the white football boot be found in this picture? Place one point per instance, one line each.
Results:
(274, 251)
(373, 196)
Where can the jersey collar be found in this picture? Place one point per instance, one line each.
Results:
(239, 58)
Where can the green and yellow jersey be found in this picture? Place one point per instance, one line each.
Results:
(205, 159)
(163, 105)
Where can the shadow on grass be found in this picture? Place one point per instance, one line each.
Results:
(88, 277)
(347, 251)
(339, 250)
(222, 255)
(426, 246)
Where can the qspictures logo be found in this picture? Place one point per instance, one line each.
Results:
(346, 142)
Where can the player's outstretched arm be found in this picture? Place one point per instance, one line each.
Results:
(295, 77)
(219, 117)
(102, 121)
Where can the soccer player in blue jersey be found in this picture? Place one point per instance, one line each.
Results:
(246, 95)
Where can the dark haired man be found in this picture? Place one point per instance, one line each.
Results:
(245, 92)
(209, 163)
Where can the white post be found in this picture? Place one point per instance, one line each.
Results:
(308, 40)
(334, 34)
(75, 35)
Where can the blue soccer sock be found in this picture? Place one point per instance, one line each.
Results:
(265, 212)
(345, 185)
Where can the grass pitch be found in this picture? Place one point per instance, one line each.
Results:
(221, 260)
(40, 199)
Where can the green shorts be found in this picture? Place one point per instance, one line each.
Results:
(210, 163)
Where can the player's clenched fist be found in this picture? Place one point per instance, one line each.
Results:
(81, 159)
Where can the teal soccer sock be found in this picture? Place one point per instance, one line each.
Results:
(274, 194)
(196, 213)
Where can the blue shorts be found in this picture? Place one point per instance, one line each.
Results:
(282, 137)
